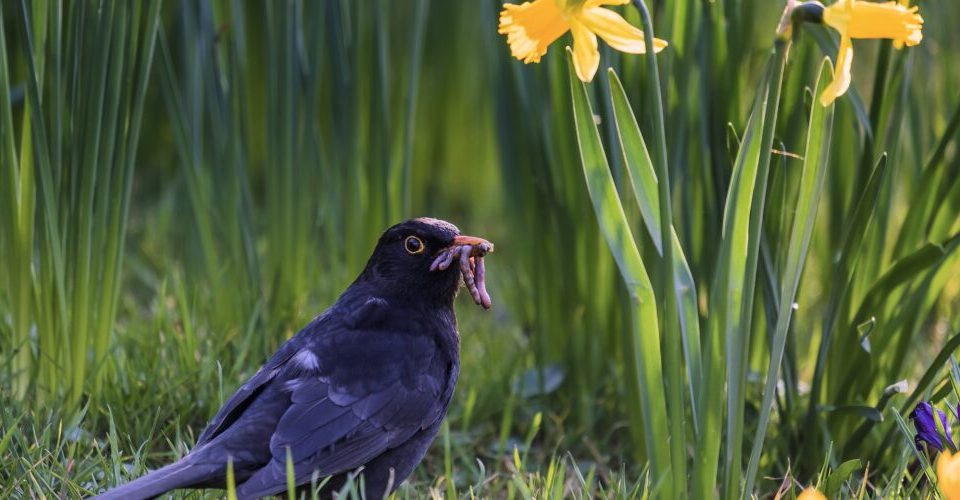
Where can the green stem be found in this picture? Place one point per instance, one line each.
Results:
(669, 329)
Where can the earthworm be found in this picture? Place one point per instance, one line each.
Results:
(480, 273)
(471, 268)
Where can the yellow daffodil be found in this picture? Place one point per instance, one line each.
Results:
(863, 19)
(811, 493)
(532, 26)
(948, 474)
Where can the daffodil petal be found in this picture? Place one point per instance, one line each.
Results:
(617, 32)
(841, 75)
(531, 27)
(586, 56)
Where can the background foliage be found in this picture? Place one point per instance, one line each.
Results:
(183, 185)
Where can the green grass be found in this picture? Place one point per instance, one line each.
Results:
(705, 282)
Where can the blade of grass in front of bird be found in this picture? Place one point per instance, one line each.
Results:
(291, 476)
(231, 482)
(645, 338)
(643, 179)
(816, 157)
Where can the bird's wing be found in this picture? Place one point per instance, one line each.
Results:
(342, 419)
(247, 393)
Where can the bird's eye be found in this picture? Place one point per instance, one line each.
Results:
(414, 245)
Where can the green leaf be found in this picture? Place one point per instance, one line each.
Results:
(854, 233)
(839, 476)
(725, 300)
(740, 340)
(903, 271)
(816, 157)
(643, 179)
(645, 338)
(933, 186)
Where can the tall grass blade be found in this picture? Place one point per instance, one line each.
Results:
(80, 137)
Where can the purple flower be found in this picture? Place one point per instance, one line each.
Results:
(927, 431)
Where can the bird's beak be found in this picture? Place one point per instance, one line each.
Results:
(480, 246)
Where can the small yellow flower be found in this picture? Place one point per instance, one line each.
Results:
(532, 26)
(948, 474)
(862, 19)
(811, 493)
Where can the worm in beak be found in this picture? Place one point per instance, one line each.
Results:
(469, 252)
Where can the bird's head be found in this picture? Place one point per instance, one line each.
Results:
(424, 260)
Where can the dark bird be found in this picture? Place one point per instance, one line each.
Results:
(363, 387)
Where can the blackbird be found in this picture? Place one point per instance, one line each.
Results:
(362, 388)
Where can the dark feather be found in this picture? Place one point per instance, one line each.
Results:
(364, 385)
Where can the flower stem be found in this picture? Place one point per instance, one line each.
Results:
(669, 329)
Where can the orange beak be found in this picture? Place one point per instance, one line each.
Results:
(480, 246)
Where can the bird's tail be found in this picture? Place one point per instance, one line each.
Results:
(181, 474)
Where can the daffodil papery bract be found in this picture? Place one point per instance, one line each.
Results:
(862, 19)
(948, 474)
(811, 493)
(532, 26)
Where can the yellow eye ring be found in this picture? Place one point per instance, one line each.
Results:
(414, 245)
